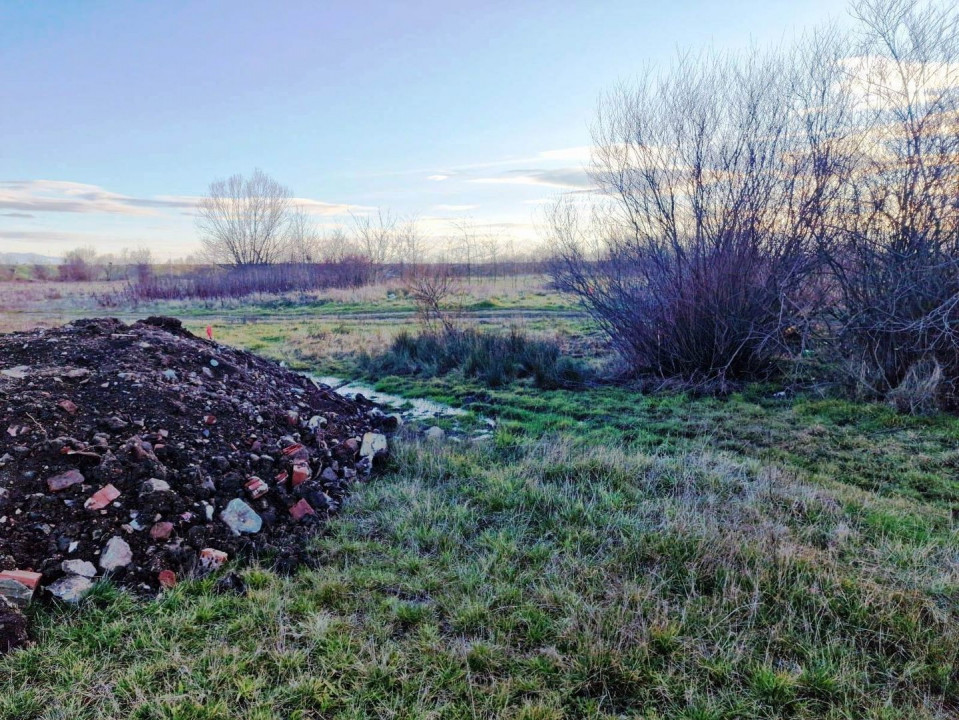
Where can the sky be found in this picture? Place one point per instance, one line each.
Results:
(116, 116)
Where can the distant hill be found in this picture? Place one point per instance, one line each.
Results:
(13, 258)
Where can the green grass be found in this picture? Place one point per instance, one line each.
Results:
(547, 579)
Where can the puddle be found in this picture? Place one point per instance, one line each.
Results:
(407, 408)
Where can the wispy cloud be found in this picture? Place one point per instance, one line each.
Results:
(17, 215)
(568, 178)
(59, 196)
(25, 197)
(454, 208)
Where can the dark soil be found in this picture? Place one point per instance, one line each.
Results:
(128, 404)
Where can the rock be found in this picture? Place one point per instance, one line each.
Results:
(154, 485)
(230, 584)
(67, 406)
(241, 518)
(15, 591)
(71, 588)
(84, 568)
(64, 480)
(315, 422)
(212, 559)
(13, 628)
(17, 373)
(374, 445)
(116, 554)
(101, 498)
(161, 530)
(435, 433)
(167, 579)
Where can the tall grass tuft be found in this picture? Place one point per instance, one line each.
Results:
(495, 359)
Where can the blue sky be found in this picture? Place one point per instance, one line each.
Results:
(115, 116)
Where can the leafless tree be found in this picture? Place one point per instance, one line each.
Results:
(303, 237)
(375, 235)
(243, 221)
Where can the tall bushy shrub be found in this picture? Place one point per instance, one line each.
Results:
(753, 208)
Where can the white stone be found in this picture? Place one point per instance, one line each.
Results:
(116, 554)
(373, 444)
(79, 567)
(71, 588)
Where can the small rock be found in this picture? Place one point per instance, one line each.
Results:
(154, 485)
(13, 628)
(71, 588)
(116, 554)
(435, 433)
(230, 584)
(212, 559)
(64, 480)
(17, 373)
(241, 518)
(67, 406)
(374, 444)
(79, 567)
(167, 578)
(161, 530)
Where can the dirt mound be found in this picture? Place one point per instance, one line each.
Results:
(144, 453)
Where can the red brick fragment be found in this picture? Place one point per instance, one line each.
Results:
(101, 498)
(301, 473)
(256, 487)
(301, 510)
(24, 577)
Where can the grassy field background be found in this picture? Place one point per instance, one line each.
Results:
(604, 553)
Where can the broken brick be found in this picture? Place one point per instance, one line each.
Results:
(101, 498)
(301, 509)
(301, 473)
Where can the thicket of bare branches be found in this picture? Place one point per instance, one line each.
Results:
(758, 206)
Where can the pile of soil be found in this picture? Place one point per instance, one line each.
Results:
(149, 452)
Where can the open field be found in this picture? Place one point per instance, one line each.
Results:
(604, 553)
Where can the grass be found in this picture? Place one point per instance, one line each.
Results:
(604, 554)
(493, 358)
(548, 579)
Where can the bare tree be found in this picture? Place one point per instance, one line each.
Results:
(376, 236)
(243, 221)
(303, 237)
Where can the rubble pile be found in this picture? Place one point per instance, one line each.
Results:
(144, 453)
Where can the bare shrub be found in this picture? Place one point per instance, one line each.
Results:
(436, 294)
(715, 189)
(894, 260)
